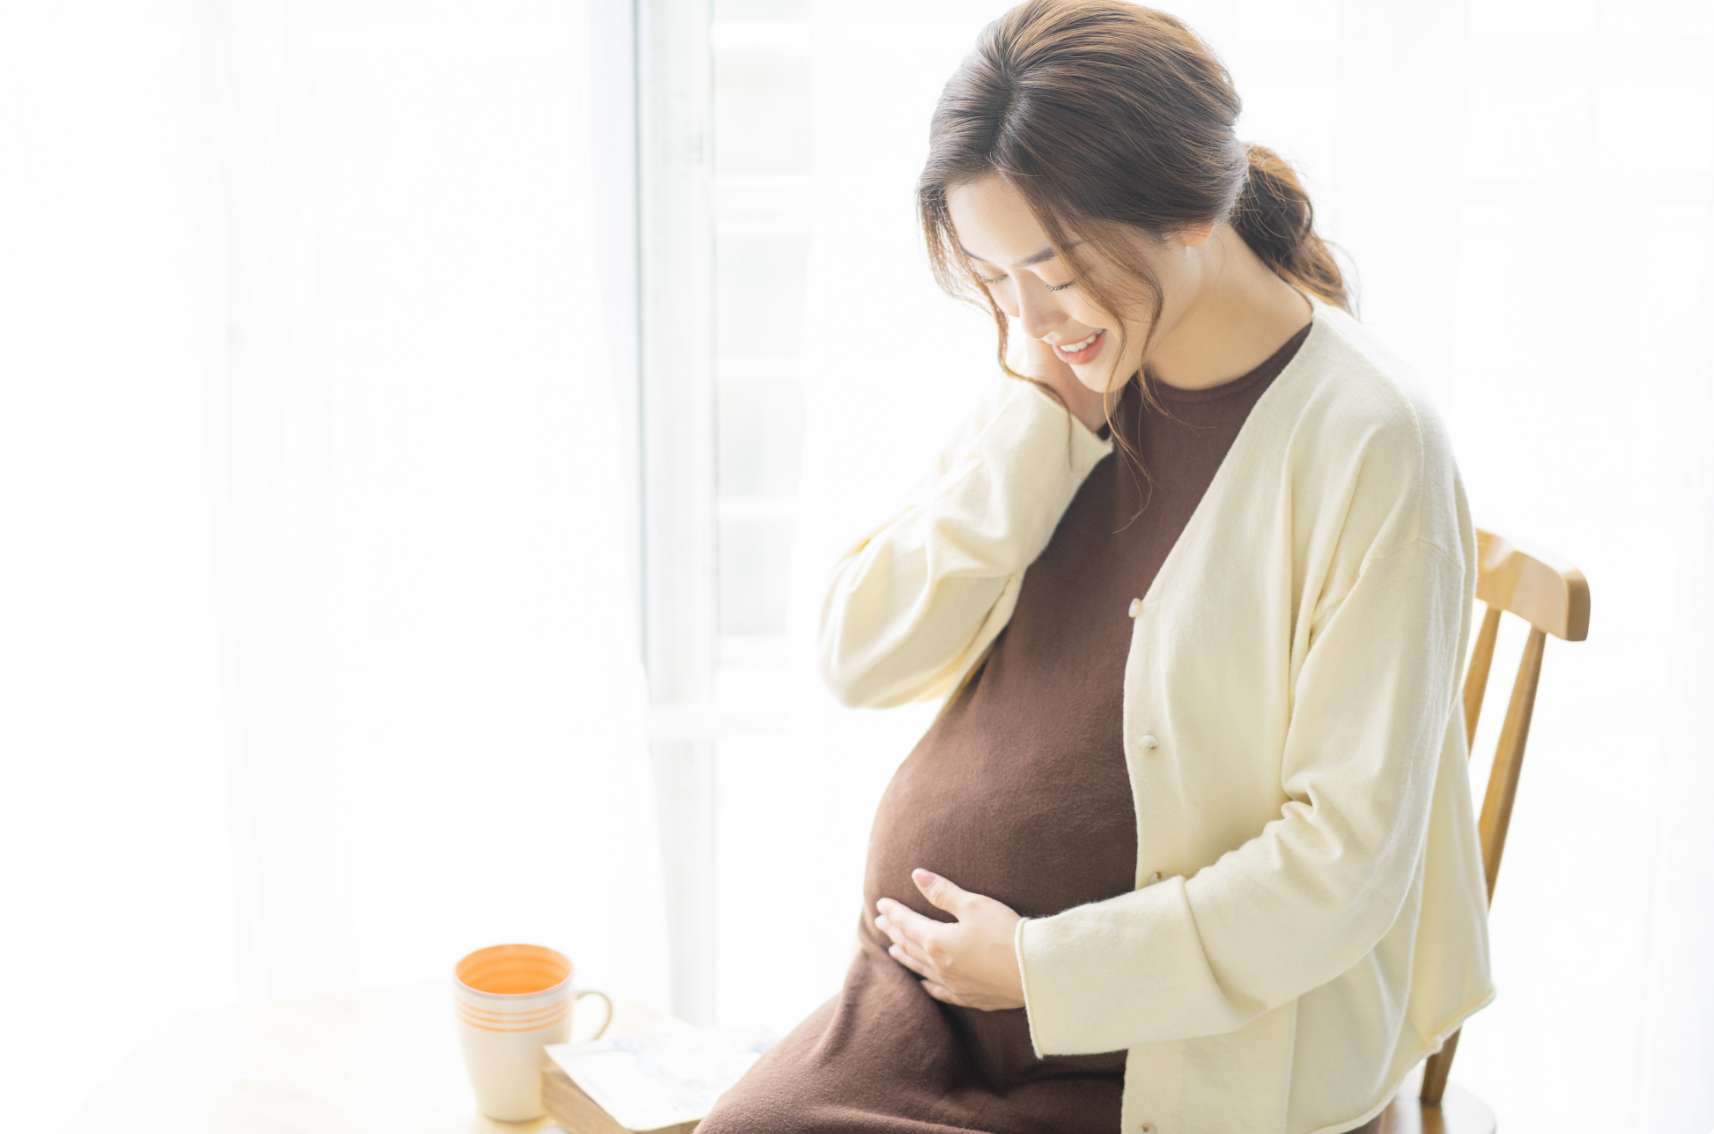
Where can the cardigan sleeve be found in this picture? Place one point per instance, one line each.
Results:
(1306, 898)
(916, 599)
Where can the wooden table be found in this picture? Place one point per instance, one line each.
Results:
(376, 1063)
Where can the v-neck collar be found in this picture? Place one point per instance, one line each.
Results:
(1255, 431)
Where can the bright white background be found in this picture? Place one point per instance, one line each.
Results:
(320, 662)
(318, 476)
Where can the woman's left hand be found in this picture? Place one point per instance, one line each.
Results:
(968, 961)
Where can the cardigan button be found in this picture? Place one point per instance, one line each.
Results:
(1149, 741)
(1146, 1128)
(1155, 877)
(1136, 605)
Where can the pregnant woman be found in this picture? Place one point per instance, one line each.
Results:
(1189, 847)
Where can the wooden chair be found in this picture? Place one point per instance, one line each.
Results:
(1553, 598)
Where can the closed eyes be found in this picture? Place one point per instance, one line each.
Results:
(1050, 287)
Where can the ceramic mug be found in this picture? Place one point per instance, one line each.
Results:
(512, 1001)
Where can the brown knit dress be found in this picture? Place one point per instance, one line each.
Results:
(1017, 791)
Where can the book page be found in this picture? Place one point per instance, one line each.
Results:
(659, 1080)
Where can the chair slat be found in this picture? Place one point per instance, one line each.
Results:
(1552, 597)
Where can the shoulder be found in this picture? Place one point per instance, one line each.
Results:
(1368, 439)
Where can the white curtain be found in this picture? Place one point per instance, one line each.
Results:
(318, 657)
(1526, 190)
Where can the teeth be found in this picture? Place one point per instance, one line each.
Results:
(1075, 347)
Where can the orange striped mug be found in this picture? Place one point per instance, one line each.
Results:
(512, 1001)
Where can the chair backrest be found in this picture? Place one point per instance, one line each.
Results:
(1553, 598)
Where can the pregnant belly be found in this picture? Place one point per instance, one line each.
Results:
(1038, 839)
(1039, 843)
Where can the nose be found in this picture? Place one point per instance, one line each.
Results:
(1037, 311)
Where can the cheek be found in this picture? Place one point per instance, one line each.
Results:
(1083, 310)
(1132, 333)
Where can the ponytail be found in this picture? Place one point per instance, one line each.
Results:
(1274, 215)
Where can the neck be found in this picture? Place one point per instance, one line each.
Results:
(1237, 321)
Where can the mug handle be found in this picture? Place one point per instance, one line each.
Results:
(602, 1030)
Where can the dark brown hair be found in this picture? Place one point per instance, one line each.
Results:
(1114, 123)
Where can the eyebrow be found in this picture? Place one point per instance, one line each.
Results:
(1044, 254)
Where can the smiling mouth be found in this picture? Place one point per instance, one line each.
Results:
(1091, 347)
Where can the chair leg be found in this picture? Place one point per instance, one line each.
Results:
(1436, 1069)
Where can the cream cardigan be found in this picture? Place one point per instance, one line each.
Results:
(1310, 918)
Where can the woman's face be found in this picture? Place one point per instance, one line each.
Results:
(998, 232)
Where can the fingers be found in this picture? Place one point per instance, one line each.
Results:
(905, 948)
(914, 954)
(943, 892)
(912, 924)
(940, 992)
(909, 960)
(914, 963)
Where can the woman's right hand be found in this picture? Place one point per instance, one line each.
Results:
(1038, 360)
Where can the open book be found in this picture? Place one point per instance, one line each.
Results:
(663, 1082)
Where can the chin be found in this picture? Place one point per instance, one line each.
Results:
(1093, 385)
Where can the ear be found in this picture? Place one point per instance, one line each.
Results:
(1192, 235)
